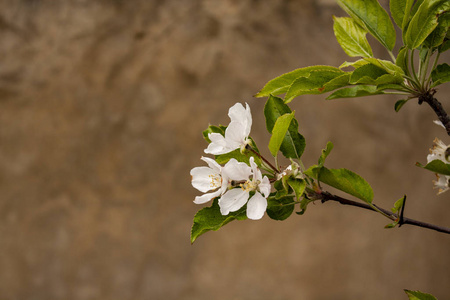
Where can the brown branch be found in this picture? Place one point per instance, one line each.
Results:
(325, 196)
(437, 108)
(248, 147)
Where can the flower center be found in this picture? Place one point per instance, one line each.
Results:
(249, 185)
(216, 180)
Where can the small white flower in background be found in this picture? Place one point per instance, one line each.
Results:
(252, 180)
(285, 172)
(236, 134)
(441, 183)
(439, 123)
(207, 179)
(439, 152)
(290, 170)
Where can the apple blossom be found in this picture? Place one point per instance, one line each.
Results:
(236, 134)
(206, 179)
(252, 181)
(439, 152)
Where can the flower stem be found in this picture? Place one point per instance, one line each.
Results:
(262, 158)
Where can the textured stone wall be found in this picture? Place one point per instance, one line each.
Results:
(102, 104)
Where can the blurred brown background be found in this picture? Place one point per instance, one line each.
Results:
(102, 104)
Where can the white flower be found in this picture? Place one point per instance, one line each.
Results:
(236, 134)
(207, 179)
(252, 180)
(439, 152)
(441, 183)
(439, 123)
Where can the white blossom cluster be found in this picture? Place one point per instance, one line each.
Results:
(234, 181)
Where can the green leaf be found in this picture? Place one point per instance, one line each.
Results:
(367, 74)
(279, 132)
(351, 37)
(282, 83)
(325, 153)
(398, 205)
(416, 295)
(385, 65)
(280, 209)
(313, 171)
(416, 6)
(298, 185)
(402, 59)
(436, 166)
(355, 91)
(437, 36)
(370, 15)
(390, 86)
(293, 143)
(400, 10)
(315, 83)
(354, 64)
(399, 104)
(348, 182)
(445, 45)
(381, 73)
(391, 225)
(210, 218)
(337, 82)
(303, 205)
(441, 74)
(424, 22)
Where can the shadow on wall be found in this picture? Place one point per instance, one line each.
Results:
(102, 104)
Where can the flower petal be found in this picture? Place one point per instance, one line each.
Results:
(206, 197)
(212, 164)
(256, 172)
(218, 144)
(256, 206)
(202, 178)
(439, 123)
(235, 134)
(265, 187)
(235, 170)
(238, 113)
(233, 200)
(442, 184)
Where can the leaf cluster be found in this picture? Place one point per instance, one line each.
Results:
(424, 26)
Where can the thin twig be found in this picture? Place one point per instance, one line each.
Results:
(330, 197)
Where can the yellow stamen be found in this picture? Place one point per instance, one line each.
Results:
(216, 181)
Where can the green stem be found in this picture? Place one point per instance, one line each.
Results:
(434, 67)
(415, 79)
(424, 70)
(392, 56)
(398, 93)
